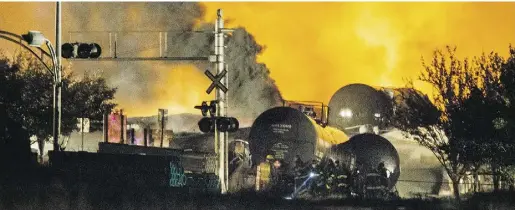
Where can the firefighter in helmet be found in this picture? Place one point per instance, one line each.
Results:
(381, 169)
(315, 176)
(263, 176)
(342, 176)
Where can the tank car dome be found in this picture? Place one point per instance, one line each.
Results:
(359, 104)
(284, 132)
(370, 150)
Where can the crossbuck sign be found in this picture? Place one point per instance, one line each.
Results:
(216, 81)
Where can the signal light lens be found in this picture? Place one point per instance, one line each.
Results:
(96, 50)
(234, 124)
(84, 50)
(206, 125)
(67, 50)
(227, 124)
(223, 124)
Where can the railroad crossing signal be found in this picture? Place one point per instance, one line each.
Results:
(81, 50)
(229, 124)
(216, 81)
(207, 124)
(224, 124)
(204, 108)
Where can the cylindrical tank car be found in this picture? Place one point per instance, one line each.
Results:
(369, 150)
(357, 106)
(286, 133)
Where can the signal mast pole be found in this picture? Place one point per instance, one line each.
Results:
(221, 137)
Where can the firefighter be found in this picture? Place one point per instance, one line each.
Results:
(356, 179)
(330, 175)
(298, 166)
(313, 174)
(278, 176)
(341, 168)
(318, 177)
(298, 171)
(330, 166)
(381, 169)
(338, 168)
(264, 174)
(276, 172)
(342, 177)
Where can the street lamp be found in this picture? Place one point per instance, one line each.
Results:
(36, 39)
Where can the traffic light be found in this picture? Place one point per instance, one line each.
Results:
(81, 50)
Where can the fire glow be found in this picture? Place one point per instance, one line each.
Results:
(313, 49)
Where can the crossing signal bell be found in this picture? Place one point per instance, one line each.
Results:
(208, 124)
(81, 50)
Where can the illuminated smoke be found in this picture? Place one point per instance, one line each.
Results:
(146, 86)
(251, 86)
(314, 48)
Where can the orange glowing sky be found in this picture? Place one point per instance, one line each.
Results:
(313, 49)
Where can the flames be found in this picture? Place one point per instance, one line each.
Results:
(313, 49)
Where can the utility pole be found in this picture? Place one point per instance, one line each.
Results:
(57, 84)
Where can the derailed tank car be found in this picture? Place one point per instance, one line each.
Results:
(369, 151)
(359, 108)
(356, 105)
(286, 132)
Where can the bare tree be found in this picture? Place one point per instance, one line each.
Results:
(432, 123)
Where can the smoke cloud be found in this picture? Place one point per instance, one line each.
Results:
(251, 85)
(145, 86)
(313, 48)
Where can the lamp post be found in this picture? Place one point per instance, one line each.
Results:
(58, 51)
(36, 39)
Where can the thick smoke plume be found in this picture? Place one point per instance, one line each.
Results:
(146, 86)
(251, 85)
